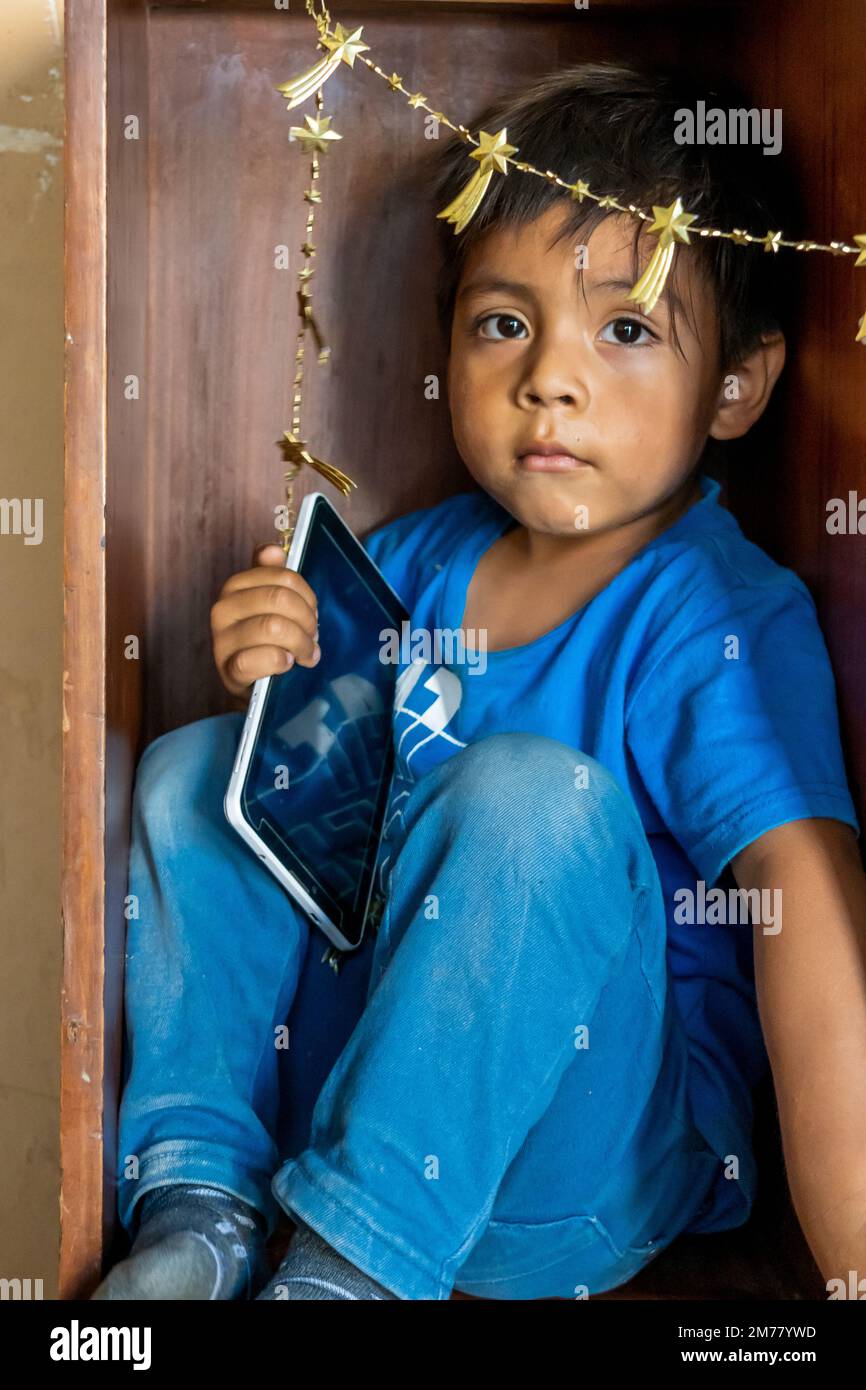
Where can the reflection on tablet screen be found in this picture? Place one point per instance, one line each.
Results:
(321, 767)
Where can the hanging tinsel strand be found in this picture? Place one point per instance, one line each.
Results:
(314, 138)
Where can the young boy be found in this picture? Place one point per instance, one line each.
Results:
(537, 1074)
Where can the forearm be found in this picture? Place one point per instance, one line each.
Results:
(822, 1115)
(811, 980)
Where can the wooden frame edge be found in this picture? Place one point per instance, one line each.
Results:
(82, 1070)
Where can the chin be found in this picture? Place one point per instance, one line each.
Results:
(548, 501)
(553, 516)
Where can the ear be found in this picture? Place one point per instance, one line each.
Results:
(746, 389)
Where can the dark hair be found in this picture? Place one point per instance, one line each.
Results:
(613, 126)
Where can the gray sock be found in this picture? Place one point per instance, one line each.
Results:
(193, 1242)
(313, 1269)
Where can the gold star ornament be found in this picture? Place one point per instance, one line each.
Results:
(342, 47)
(492, 155)
(672, 224)
(317, 136)
(295, 452)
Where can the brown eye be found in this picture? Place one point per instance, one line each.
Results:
(508, 325)
(628, 332)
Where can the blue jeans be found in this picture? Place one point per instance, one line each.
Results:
(491, 1095)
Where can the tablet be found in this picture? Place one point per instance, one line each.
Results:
(310, 783)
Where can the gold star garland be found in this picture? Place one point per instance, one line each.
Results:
(493, 155)
(314, 139)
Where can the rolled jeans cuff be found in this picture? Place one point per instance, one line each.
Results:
(354, 1223)
(196, 1161)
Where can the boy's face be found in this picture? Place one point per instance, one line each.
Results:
(532, 360)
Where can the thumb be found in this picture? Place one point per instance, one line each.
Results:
(269, 553)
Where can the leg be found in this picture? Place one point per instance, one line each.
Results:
(214, 957)
(524, 907)
(613, 1171)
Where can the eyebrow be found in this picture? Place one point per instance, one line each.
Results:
(488, 284)
(495, 285)
(614, 284)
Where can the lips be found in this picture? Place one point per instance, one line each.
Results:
(550, 457)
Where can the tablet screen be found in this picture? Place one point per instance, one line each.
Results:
(320, 769)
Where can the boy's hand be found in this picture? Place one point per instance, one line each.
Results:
(264, 620)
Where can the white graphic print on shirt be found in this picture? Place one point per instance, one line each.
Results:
(427, 696)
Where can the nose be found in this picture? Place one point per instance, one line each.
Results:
(552, 378)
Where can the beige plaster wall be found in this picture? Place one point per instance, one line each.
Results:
(31, 607)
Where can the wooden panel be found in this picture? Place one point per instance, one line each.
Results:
(103, 594)
(84, 656)
(811, 445)
(127, 513)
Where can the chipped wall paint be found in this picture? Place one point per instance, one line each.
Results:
(53, 17)
(22, 140)
(19, 140)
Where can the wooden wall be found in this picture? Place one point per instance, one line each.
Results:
(811, 444)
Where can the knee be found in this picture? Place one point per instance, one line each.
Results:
(523, 779)
(538, 800)
(186, 771)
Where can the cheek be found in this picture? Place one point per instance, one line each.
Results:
(472, 393)
(475, 425)
(486, 387)
(656, 409)
(460, 408)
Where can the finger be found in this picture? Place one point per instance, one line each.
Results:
(252, 663)
(244, 604)
(269, 553)
(268, 630)
(267, 576)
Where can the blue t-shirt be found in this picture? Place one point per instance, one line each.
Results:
(700, 678)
